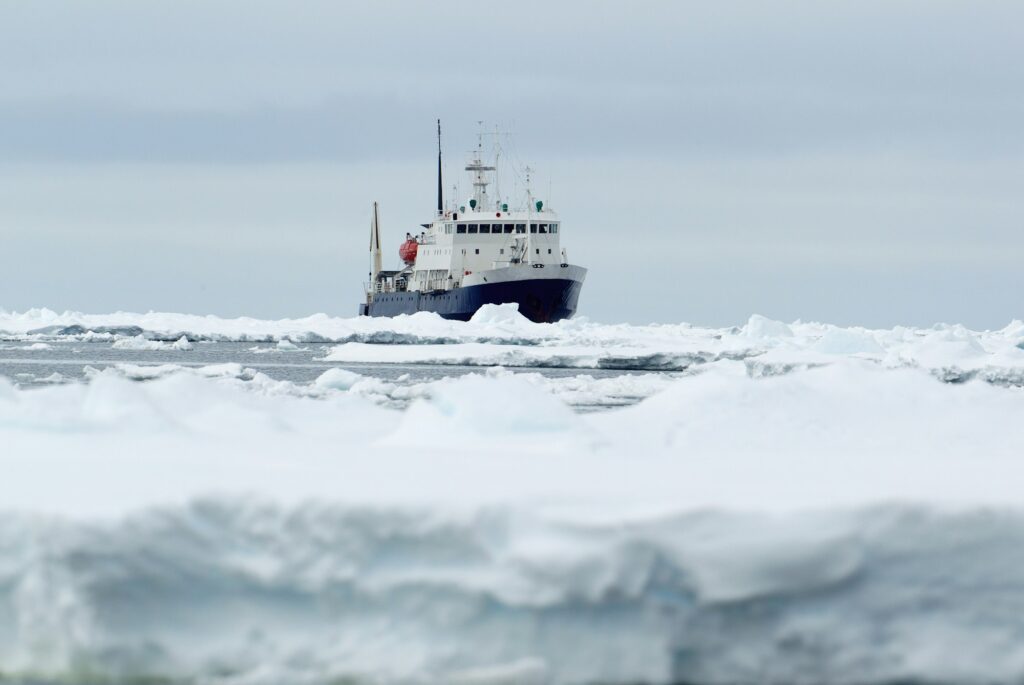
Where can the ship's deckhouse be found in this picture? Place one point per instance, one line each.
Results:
(455, 248)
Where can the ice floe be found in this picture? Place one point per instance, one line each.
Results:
(950, 352)
(497, 335)
(791, 503)
(200, 528)
(846, 425)
(141, 342)
(581, 391)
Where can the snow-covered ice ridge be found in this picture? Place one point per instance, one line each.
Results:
(238, 591)
(498, 335)
(844, 523)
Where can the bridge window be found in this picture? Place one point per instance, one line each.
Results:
(473, 228)
(485, 228)
(461, 228)
(533, 228)
(448, 229)
(508, 228)
(543, 228)
(554, 228)
(520, 228)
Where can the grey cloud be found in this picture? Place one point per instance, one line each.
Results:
(855, 162)
(239, 82)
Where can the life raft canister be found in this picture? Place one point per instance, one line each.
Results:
(407, 251)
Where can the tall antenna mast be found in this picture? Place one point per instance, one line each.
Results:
(529, 201)
(440, 196)
(497, 165)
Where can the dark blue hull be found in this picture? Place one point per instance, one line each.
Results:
(540, 300)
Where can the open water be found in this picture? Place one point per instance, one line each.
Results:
(74, 361)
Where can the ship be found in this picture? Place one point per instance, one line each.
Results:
(477, 253)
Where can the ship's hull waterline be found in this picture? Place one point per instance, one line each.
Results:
(543, 300)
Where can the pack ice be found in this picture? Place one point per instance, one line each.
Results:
(810, 504)
(498, 335)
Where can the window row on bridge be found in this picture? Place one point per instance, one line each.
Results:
(500, 228)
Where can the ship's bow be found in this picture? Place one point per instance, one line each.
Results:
(544, 294)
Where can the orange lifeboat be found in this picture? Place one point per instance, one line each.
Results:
(407, 251)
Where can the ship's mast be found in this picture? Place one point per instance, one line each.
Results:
(440, 196)
(479, 170)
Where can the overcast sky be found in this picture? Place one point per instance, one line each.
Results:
(857, 163)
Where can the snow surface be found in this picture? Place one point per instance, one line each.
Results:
(803, 504)
(835, 524)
